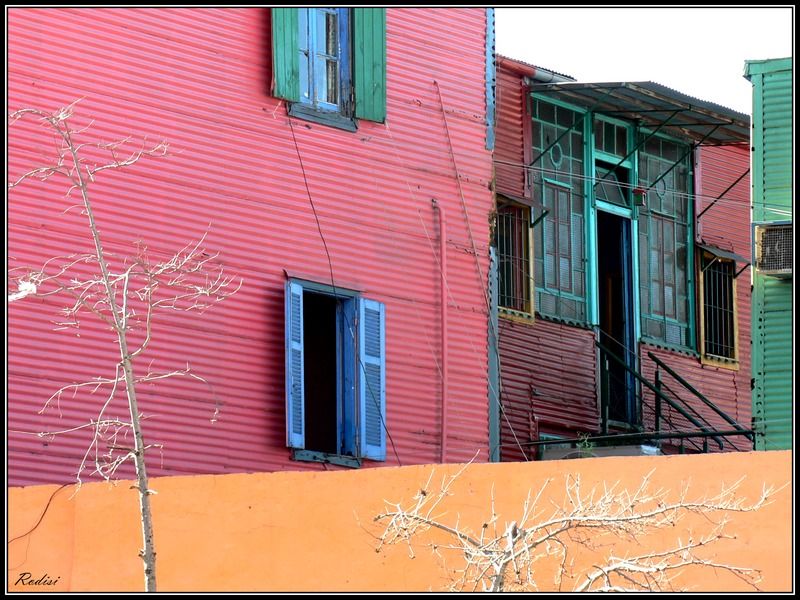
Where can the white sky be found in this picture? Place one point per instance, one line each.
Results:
(697, 51)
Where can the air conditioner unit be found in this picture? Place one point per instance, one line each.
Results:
(772, 248)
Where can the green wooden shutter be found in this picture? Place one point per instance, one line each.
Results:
(369, 63)
(285, 54)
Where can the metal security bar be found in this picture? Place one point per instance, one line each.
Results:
(718, 308)
(514, 257)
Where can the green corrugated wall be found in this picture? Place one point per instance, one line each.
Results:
(772, 298)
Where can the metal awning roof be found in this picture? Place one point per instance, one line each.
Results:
(722, 253)
(653, 105)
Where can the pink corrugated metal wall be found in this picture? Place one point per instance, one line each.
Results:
(200, 79)
(725, 225)
(513, 146)
(548, 376)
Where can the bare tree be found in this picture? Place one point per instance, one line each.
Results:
(124, 293)
(517, 555)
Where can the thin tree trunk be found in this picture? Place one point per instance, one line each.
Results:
(148, 553)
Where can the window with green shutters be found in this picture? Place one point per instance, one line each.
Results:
(330, 63)
(558, 188)
(665, 249)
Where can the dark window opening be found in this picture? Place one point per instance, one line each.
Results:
(322, 364)
(335, 374)
(513, 256)
(615, 300)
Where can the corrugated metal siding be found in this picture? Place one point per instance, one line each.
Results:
(772, 396)
(547, 374)
(200, 79)
(726, 225)
(773, 188)
(772, 299)
(511, 149)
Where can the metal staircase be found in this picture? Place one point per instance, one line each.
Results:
(669, 410)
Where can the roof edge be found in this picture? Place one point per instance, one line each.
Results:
(767, 65)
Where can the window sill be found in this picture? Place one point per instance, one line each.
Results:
(671, 347)
(731, 364)
(563, 321)
(515, 315)
(331, 119)
(323, 457)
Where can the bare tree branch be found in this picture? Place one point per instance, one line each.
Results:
(507, 559)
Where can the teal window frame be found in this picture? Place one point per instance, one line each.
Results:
(554, 234)
(648, 219)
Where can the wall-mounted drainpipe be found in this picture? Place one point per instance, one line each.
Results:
(443, 317)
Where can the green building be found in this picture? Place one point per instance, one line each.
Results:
(772, 217)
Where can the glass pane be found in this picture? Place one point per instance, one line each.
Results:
(669, 301)
(622, 141)
(547, 304)
(608, 138)
(670, 151)
(598, 134)
(563, 206)
(565, 117)
(550, 271)
(303, 41)
(331, 34)
(563, 239)
(564, 274)
(674, 334)
(608, 188)
(332, 80)
(547, 112)
(655, 328)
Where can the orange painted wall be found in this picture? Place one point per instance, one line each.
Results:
(300, 531)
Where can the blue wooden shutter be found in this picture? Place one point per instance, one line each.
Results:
(295, 393)
(372, 380)
(285, 54)
(369, 63)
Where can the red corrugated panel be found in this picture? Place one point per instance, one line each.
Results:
(512, 149)
(200, 79)
(547, 373)
(727, 225)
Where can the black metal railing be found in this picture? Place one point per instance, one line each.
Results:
(664, 396)
(660, 364)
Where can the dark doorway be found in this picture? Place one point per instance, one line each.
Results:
(615, 293)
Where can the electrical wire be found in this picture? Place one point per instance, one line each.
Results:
(333, 285)
(495, 392)
(678, 193)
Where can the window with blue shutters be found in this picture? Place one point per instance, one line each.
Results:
(335, 374)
